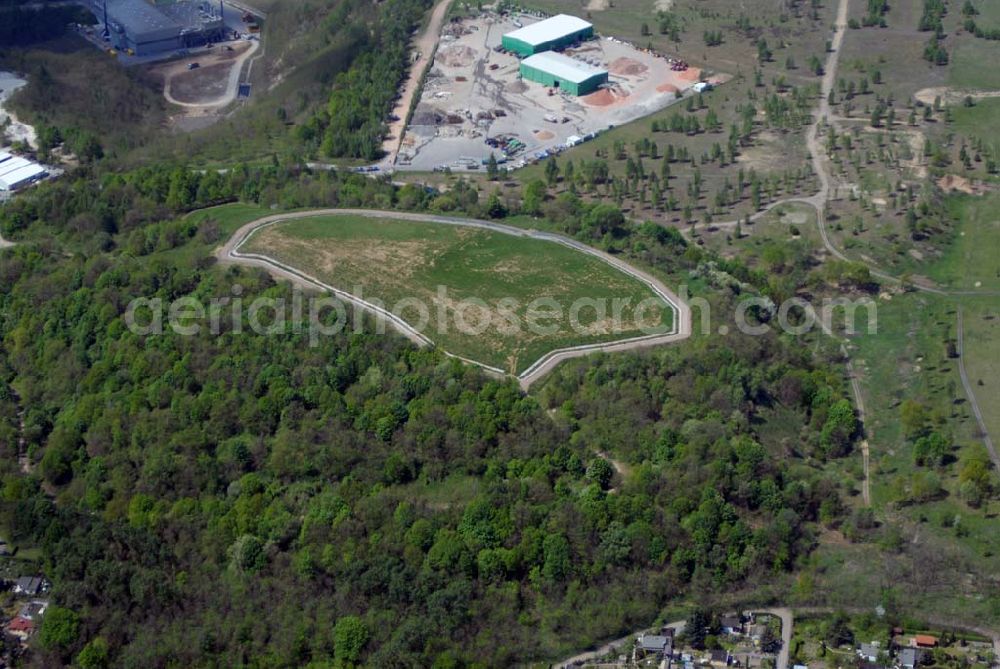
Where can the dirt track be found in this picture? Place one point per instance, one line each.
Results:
(230, 252)
(424, 46)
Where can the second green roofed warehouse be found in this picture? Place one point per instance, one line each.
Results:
(556, 33)
(565, 73)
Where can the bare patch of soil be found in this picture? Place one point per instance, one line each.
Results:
(201, 86)
(401, 257)
(953, 182)
(457, 56)
(626, 67)
(951, 96)
(690, 74)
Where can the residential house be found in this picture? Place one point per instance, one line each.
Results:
(653, 645)
(28, 585)
(731, 624)
(923, 641)
(909, 658)
(34, 609)
(719, 658)
(869, 652)
(22, 628)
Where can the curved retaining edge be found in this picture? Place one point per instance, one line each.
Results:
(681, 326)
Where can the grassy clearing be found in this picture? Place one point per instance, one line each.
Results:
(454, 491)
(229, 217)
(393, 260)
(969, 69)
(941, 537)
(907, 360)
(788, 224)
(979, 123)
(971, 261)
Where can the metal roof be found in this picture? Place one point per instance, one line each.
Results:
(13, 178)
(562, 67)
(5, 156)
(23, 175)
(550, 29)
(142, 21)
(12, 164)
(653, 642)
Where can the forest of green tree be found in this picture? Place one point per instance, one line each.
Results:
(247, 500)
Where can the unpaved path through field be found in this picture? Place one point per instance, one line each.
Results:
(960, 336)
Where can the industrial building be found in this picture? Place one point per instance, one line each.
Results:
(145, 27)
(565, 73)
(17, 172)
(551, 34)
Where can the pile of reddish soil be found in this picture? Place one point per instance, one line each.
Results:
(626, 67)
(543, 135)
(667, 88)
(604, 97)
(690, 74)
(601, 98)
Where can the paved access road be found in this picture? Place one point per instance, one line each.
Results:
(230, 252)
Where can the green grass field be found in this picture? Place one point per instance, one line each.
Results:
(978, 123)
(982, 357)
(229, 217)
(394, 260)
(971, 262)
(967, 69)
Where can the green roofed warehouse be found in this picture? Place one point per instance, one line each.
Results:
(563, 72)
(556, 33)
